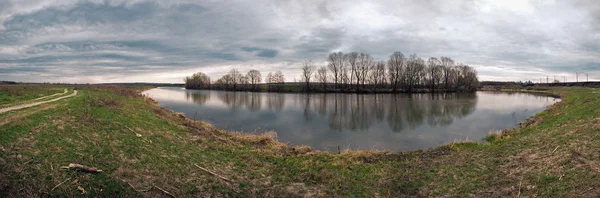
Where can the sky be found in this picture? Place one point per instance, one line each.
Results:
(99, 41)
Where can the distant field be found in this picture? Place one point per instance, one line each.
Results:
(145, 150)
(11, 94)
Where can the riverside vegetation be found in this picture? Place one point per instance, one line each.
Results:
(354, 72)
(145, 150)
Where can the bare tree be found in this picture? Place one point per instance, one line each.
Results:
(365, 64)
(434, 72)
(254, 77)
(352, 59)
(235, 78)
(278, 80)
(308, 68)
(335, 65)
(413, 72)
(395, 64)
(447, 64)
(269, 80)
(321, 76)
(378, 74)
(406, 74)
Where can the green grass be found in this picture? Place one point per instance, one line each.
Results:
(136, 142)
(18, 94)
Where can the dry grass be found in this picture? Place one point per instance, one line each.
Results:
(555, 155)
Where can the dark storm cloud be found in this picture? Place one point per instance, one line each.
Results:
(149, 40)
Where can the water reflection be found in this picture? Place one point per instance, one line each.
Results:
(367, 121)
(358, 112)
(197, 98)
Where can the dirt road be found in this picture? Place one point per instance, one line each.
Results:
(4, 110)
(56, 94)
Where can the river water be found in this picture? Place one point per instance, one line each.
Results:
(396, 122)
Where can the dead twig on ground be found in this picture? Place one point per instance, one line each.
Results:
(554, 149)
(519, 195)
(214, 174)
(60, 184)
(164, 191)
(83, 168)
(136, 188)
(585, 191)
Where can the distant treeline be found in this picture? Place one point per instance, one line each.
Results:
(146, 84)
(525, 84)
(354, 72)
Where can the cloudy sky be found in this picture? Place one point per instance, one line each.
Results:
(80, 41)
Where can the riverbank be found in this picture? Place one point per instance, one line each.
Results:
(145, 150)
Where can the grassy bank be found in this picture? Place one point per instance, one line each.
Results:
(17, 94)
(143, 148)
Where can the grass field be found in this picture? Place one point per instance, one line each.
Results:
(14, 94)
(143, 148)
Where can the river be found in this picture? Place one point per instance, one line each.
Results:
(396, 122)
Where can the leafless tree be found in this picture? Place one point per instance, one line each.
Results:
(278, 80)
(378, 74)
(322, 76)
(352, 59)
(308, 68)
(235, 78)
(365, 64)
(254, 77)
(434, 71)
(269, 80)
(399, 72)
(395, 64)
(335, 65)
(447, 64)
(414, 70)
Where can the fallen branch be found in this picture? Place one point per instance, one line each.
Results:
(136, 188)
(79, 167)
(214, 174)
(60, 184)
(585, 191)
(519, 195)
(164, 191)
(555, 149)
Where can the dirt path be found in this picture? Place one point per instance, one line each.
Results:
(36, 103)
(56, 94)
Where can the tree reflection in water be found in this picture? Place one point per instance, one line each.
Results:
(198, 98)
(358, 112)
(367, 121)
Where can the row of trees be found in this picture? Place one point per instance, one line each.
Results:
(356, 72)
(359, 72)
(234, 80)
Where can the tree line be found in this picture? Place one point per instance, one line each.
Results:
(354, 72)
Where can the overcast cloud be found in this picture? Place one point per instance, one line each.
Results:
(163, 41)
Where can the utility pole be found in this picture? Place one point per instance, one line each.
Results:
(546, 79)
(564, 77)
(577, 76)
(587, 79)
(554, 79)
